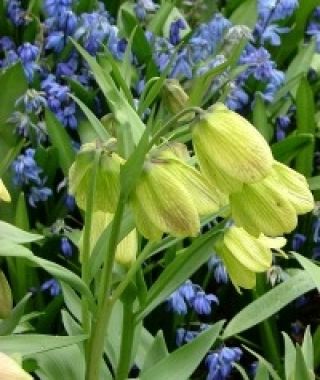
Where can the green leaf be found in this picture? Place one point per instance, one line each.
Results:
(30, 344)
(157, 352)
(9, 249)
(312, 269)
(302, 372)
(307, 349)
(306, 125)
(301, 63)
(241, 371)
(245, 14)
(61, 140)
(286, 150)
(260, 118)
(182, 363)
(14, 85)
(316, 345)
(289, 357)
(60, 364)
(269, 304)
(123, 112)
(264, 363)
(314, 183)
(8, 325)
(156, 23)
(95, 123)
(181, 268)
(72, 300)
(262, 372)
(16, 235)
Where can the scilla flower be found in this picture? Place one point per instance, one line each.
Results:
(244, 256)
(11, 370)
(230, 150)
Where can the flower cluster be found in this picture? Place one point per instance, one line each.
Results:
(192, 296)
(27, 172)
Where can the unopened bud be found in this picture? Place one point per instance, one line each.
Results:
(174, 96)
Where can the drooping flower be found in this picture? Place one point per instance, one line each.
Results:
(220, 362)
(170, 196)
(230, 151)
(244, 256)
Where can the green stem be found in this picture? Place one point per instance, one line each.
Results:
(85, 270)
(173, 121)
(128, 329)
(269, 339)
(132, 271)
(104, 302)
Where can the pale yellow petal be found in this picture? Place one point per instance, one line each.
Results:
(10, 370)
(4, 195)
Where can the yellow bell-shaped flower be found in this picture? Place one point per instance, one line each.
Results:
(126, 249)
(10, 369)
(297, 188)
(264, 207)
(244, 256)
(169, 198)
(4, 195)
(230, 150)
(107, 181)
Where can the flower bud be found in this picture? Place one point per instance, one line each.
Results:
(5, 297)
(298, 191)
(10, 369)
(174, 96)
(263, 207)
(4, 195)
(230, 150)
(244, 256)
(107, 180)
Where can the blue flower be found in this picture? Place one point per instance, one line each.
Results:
(188, 290)
(271, 34)
(182, 66)
(314, 31)
(316, 231)
(66, 247)
(282, 123)
(185, 336)
(177, 304)
(237, 99)
(25, 169)
(220, 362)
(69, 202)
(6, 43)
(54, 8)
(274, 10)
(260, 65)
(219, 270)
(52, 286)
(16, 13)
(55, 41)
(297, 241)
(202, 302)
(38, 194)
(174, 32)
(33, 101)
(28, 52)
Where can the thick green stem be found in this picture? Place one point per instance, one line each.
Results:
(104, 302)
(128, 329)
(85, 270)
